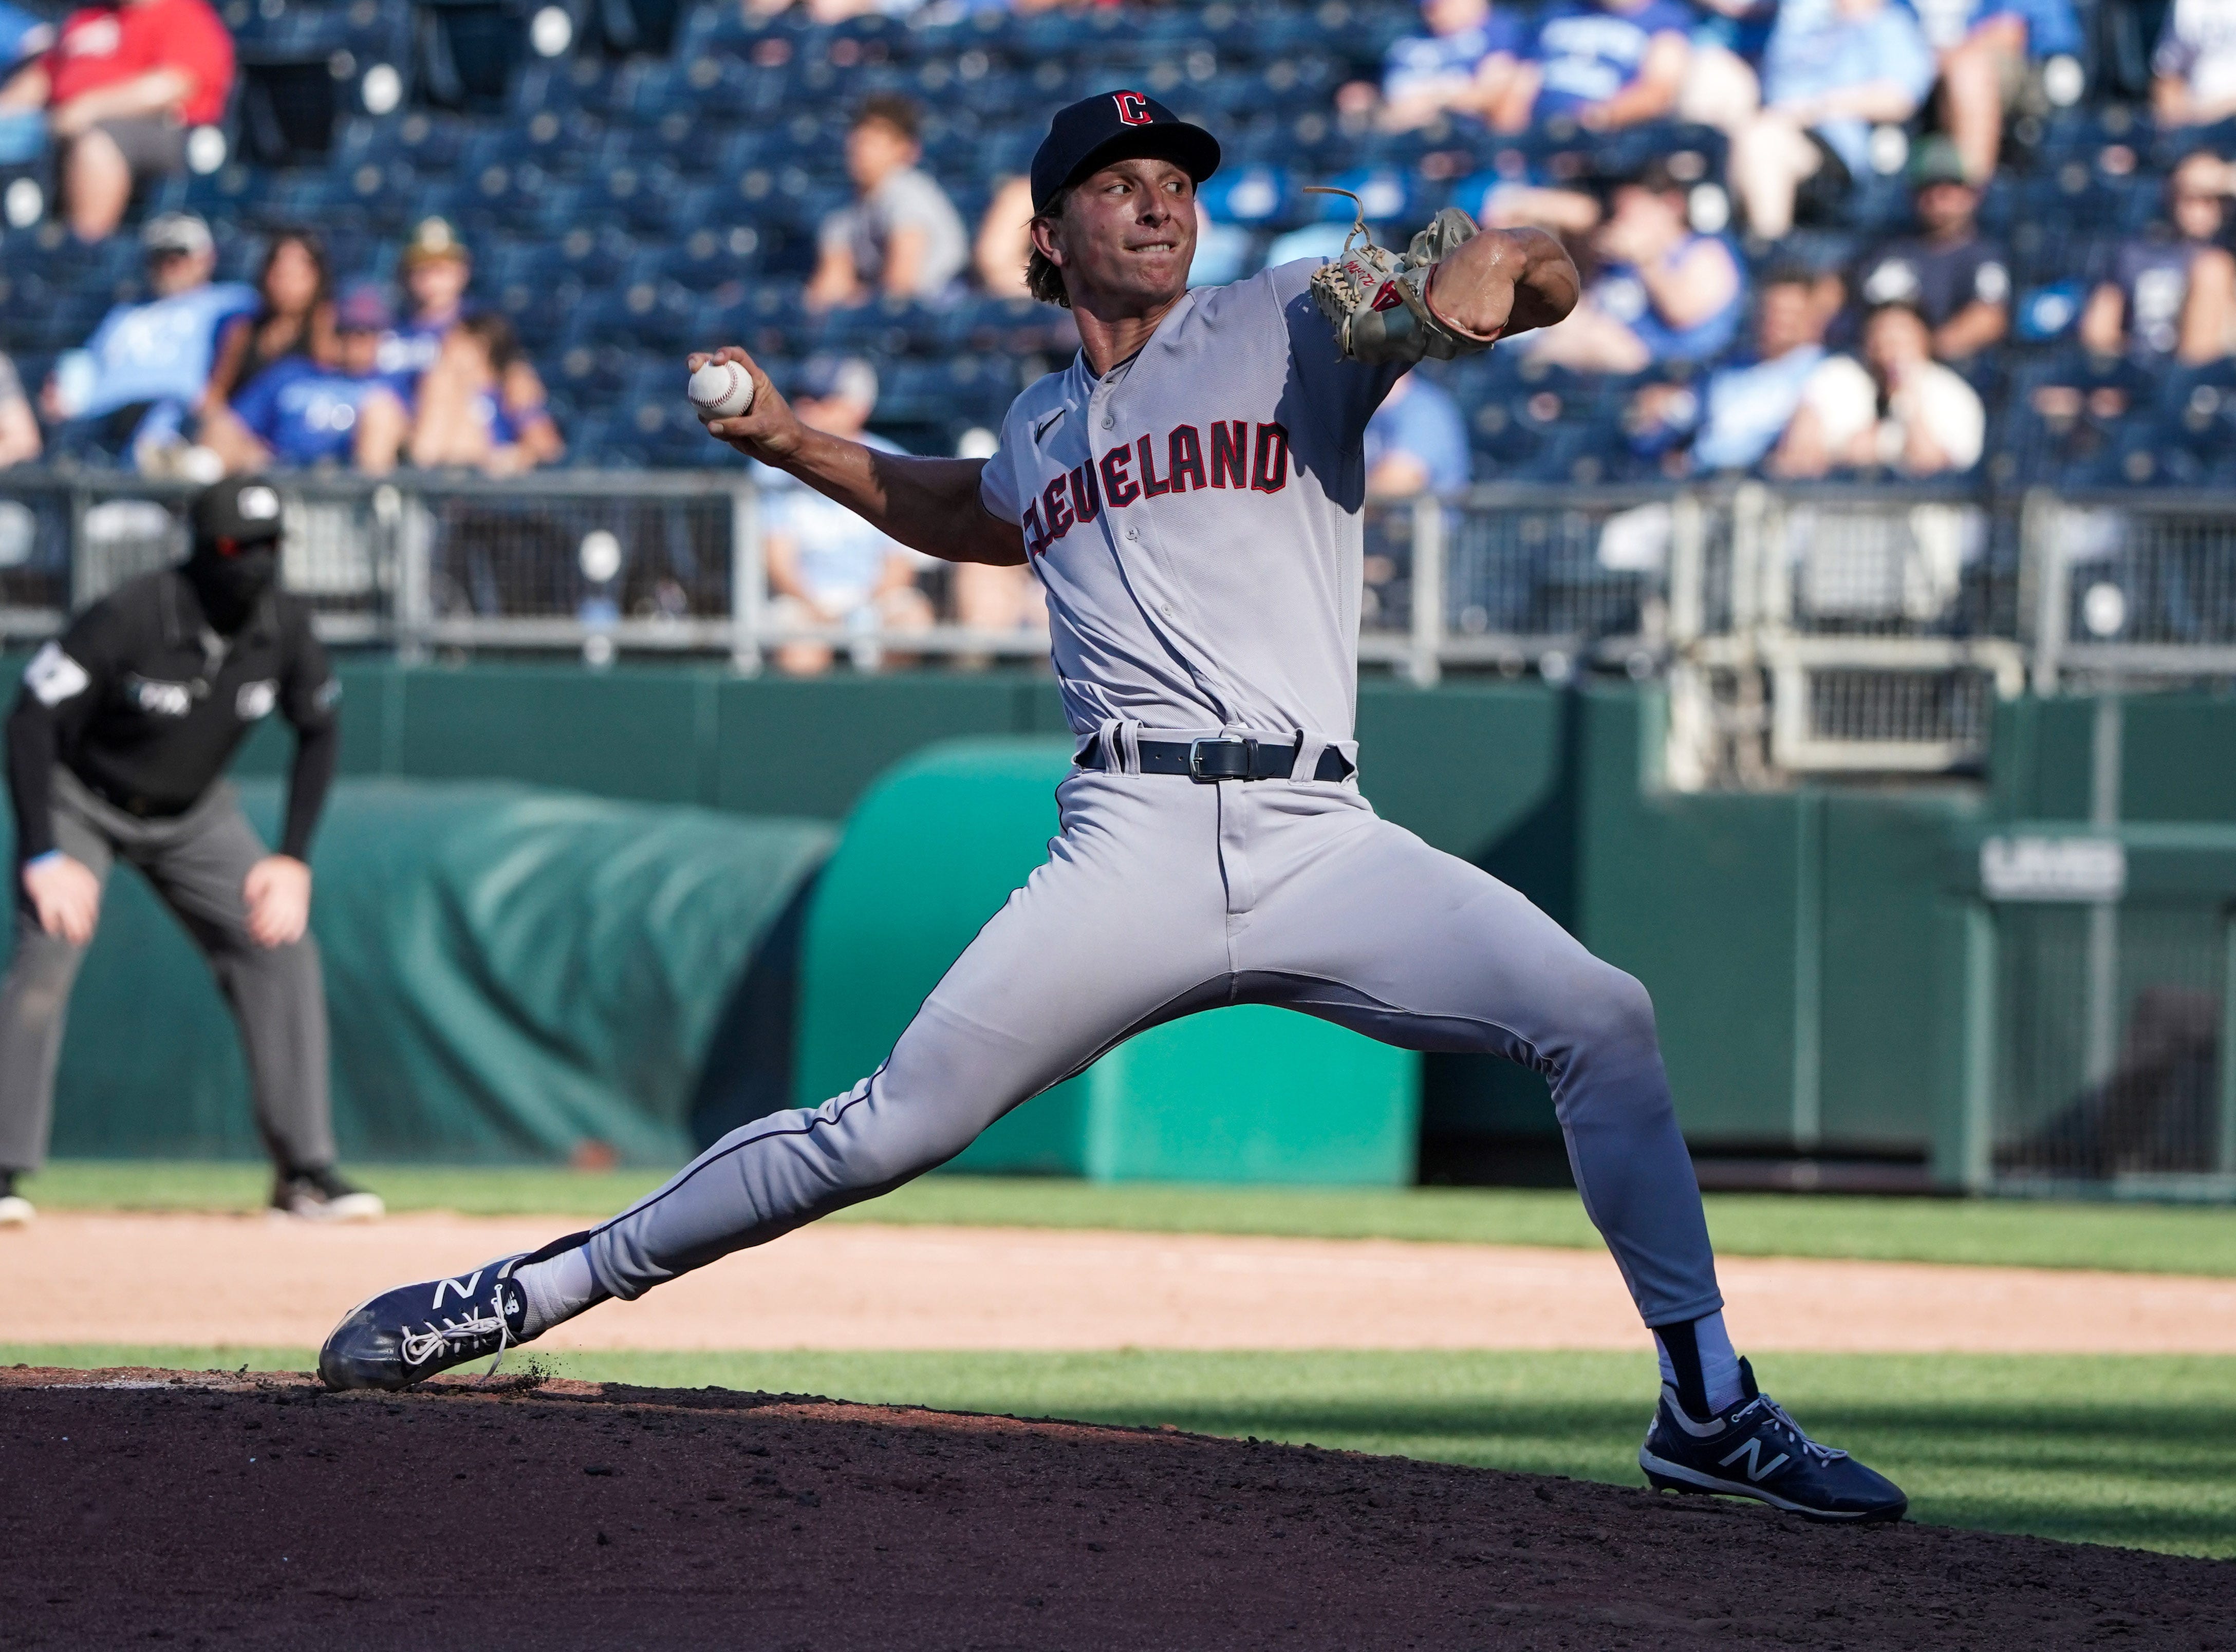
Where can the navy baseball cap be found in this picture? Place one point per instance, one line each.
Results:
(1116, 126)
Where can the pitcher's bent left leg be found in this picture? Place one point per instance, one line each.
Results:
(1399, 941)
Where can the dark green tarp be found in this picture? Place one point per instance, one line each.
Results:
(511, 973)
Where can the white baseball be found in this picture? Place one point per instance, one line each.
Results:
(721, 390)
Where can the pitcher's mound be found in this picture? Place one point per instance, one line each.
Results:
(141, 1506)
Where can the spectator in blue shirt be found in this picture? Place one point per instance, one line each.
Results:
(1985, 46)
(1416, 442)
(1833, 70)
(1606, 64)
(1664, 292)
(136, 380)
(301, 412)
(1735, 420)
(1461, 66)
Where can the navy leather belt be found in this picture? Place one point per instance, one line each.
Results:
(1224, 758)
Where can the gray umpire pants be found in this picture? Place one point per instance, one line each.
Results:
(197, 862)
(1161, 897)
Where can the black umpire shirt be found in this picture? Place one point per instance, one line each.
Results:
(143, 701)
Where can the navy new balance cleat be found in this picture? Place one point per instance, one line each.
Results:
(403, 1335)
(1752, 1449)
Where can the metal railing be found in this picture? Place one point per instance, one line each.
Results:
(1800, 629)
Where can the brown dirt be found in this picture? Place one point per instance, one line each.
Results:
(247, 1282)
(142, 1507)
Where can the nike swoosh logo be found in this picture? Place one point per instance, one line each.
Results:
(1044, 426)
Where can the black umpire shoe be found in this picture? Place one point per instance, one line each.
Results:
(321, 1196)
(405, 1335)
(1752, 1449)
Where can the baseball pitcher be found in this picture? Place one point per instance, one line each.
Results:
(1189, 491)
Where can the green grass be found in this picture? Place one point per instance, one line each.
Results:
(2125, 1237)
(2133, 1451)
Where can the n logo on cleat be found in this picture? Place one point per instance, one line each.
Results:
(1756, 1469)
(464, 1291)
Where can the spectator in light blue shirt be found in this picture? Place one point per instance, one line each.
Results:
(1416, 442)
(1605, 64)
(141, 375)
(1461, 66)
(1735, 420)
(1833, 70)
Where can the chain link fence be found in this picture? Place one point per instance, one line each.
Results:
(2099, 1012)
(2136, 588)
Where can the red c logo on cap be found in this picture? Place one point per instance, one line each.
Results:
(1132, 109)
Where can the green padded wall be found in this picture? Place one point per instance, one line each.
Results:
(1794, 943)
(1243, 1094)
(510, 974)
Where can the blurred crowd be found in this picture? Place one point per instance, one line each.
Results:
(1721, 170)
(204, 377)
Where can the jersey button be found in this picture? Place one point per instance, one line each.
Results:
(1133, 533)
(1165, 609)
(1109, 419)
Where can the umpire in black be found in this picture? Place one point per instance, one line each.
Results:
(116, 750)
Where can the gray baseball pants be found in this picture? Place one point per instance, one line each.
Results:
(1163, 896)
(197, 862)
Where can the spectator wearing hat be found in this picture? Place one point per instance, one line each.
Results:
(461, 418)
(828, 568)
(121, 86)
(134, 383)
(300, 412)
(1890, 406)
(2170, 293)
(117, 749)
(436, 270)
(901, 238)
(1601, 63)
(1831, 71)
(1664, 293)
(1955, 277)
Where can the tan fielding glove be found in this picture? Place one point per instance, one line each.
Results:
(1378, 301)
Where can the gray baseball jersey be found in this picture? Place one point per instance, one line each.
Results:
(1194, 516)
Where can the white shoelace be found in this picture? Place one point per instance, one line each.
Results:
(419, 1346)
(1823, 1453)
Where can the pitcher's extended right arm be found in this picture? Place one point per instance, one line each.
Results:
(929, 505)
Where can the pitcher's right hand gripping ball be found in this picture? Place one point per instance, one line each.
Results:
(1377, 300)
(721, 390)
(762, 426)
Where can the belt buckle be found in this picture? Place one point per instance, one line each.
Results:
(1195, 759)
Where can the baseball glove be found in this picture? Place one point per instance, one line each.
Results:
(1377, 300)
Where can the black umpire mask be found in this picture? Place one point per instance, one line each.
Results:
(231, 579)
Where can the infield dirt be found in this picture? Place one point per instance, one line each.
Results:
(148, 1506)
